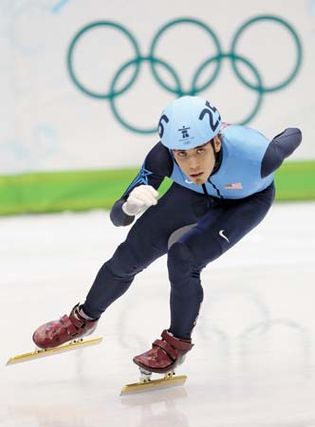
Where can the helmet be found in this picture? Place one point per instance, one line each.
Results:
(187, 122)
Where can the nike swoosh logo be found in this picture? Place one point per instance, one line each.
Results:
(221, 233)
(188, 182)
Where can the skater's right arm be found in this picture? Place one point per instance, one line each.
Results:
(142, 193)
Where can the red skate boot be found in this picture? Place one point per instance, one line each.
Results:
(67, 328)
(165, 354)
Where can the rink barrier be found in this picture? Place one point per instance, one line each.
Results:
(43, 192)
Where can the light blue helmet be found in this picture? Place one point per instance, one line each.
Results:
(188, 122)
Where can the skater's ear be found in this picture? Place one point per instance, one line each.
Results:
(216, 144)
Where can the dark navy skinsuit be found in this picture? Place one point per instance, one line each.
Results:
(193, 224)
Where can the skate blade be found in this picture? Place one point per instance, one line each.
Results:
(38, 353)
(156, 384)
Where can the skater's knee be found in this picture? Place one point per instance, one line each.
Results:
(179, 253)
(124, 262)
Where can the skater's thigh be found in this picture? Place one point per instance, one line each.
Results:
(178, 208)
(215, 234)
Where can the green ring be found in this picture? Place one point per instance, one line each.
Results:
(234, 57)
(138, 61)
(73, 44)
(167, 26)
(296, 39)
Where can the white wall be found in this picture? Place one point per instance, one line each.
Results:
(47, 123)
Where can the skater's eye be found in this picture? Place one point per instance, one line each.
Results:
(201, 150)
(181, 154)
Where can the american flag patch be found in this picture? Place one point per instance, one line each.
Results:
(234, 186)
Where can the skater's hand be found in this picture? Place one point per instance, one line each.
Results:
(140, 199)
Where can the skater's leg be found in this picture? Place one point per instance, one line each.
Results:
(146, 241)
(187, 255)
(117, 274)
(214, 234)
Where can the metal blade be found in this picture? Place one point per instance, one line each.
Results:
(38, 353)
(155, 384)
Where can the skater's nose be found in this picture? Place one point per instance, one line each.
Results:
(193, 163)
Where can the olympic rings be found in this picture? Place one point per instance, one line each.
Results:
(177, 89)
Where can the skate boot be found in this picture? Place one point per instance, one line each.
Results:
(67, 328)
(165, 355)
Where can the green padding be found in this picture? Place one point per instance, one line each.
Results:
(296, 181)
(53, 192)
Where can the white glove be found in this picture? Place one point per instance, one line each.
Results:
(140, 199)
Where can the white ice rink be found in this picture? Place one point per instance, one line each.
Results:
(253, 363)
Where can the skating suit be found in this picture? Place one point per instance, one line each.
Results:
(193, 224)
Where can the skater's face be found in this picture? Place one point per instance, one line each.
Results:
(198, 163)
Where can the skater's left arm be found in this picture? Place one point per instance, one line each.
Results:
(157, 165)
(280, 147)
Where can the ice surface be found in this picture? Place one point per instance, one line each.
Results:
(253, 363)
